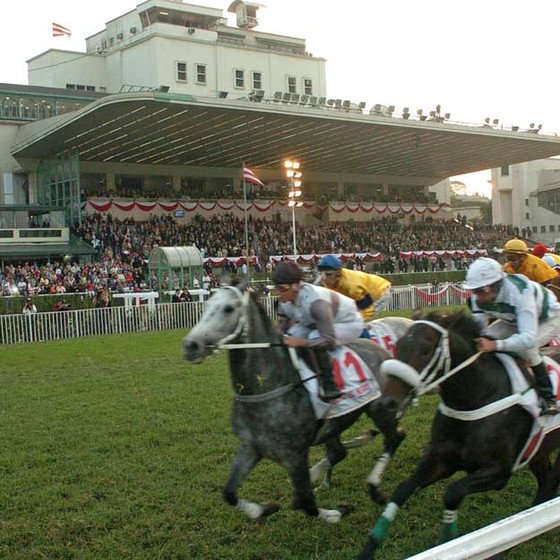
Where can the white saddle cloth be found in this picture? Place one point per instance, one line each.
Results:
(352, 376)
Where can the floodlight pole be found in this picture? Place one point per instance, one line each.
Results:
(294, 228)
(246, 225)
(294, 176)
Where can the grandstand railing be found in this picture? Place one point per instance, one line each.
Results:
(60, 325)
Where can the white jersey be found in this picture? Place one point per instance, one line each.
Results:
(307, 322)
(345, 311)
(524, 304)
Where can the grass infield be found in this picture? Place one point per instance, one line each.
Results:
(116, 448)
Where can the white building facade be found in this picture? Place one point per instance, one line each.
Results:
(172, 46)
(527, 195)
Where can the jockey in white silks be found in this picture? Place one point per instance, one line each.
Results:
(314, 320)
(528, 317)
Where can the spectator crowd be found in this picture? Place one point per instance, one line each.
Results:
(123, 247)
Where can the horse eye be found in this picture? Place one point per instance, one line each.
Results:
(228, 309)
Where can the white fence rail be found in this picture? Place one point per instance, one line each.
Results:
(499, 536)
(122, 319)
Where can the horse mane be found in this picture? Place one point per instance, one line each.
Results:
(460, 322)
(267, 322)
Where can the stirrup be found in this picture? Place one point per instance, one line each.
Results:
(328, 395)
(549, 407)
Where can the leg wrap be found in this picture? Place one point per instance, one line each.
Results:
(379, 532)
(449, 529)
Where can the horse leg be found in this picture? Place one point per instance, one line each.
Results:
(541, 468)
(493, 477)
(303, 494)
(383, 414)
(430, 469)
(548, 477)
(244, 462)
(335, 453)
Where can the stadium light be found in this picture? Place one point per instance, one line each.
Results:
(294, 196)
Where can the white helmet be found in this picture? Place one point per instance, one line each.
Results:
(550, 261)
(483, 272)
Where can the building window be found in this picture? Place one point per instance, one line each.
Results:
(181, 68)
(526, 202)
(291, 84)
(504, 171)
(201, 73)
(239, 78)
(257, 80)
(90, 88)
(543, 229)
(534, 228)
(527, 217)
(551, 229)
(308, 86)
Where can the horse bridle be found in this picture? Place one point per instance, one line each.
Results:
(242, 324)
(242, 328)
(440, 361)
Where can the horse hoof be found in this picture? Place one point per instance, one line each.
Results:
(269, 509)
(377, 495)
(345, 509)
(368, 552)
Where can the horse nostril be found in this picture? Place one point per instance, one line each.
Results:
(190, 347)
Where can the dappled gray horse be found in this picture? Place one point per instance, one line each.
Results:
(272, 412)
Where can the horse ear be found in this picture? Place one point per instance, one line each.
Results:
(243, 284)
(417, 314)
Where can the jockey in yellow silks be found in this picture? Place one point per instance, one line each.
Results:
(370, 292)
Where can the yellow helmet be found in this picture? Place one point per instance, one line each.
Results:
(515, 246)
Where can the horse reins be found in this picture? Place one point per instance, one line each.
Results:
(441, 360)
(242, 328)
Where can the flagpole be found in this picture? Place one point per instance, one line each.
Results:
(246, 223)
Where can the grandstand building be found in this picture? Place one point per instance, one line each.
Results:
(527, 195)
(169, 102)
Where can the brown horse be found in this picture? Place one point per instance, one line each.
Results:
(479, 427)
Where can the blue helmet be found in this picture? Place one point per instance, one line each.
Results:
(329, 262)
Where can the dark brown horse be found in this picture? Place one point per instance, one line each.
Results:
(479, 427)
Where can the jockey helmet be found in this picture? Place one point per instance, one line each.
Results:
(483, 272)
(329, 262)
(550, 261)
(516, 246)
(539, 250)
(287, 272)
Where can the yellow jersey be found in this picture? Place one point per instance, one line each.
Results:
(534, 268)
(363, 288)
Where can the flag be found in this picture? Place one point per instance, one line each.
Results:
(59, 30)
(250, 177)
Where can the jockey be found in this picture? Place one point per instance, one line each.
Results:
(520, 261)
(314, 318)
(370, 292)
(528, 317)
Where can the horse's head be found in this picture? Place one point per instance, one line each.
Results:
(423, 353)
(224, 320)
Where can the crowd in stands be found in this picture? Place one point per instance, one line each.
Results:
(123, 247)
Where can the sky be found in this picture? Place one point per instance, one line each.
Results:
(484, 58)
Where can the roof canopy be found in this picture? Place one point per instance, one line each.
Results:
(180, 130)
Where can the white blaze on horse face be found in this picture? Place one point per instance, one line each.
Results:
(220, 319)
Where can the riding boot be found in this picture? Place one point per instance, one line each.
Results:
(543, 386)
(328, 390)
